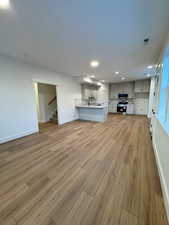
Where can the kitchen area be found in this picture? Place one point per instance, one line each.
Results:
(94, 103)
(130, 97)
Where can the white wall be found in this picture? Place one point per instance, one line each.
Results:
(46, 93)
(103, 94)
(161, 146)
(18, 116)
(151, 97)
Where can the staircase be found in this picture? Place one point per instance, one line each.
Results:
(54, 117)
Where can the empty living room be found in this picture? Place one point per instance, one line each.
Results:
(84, 115)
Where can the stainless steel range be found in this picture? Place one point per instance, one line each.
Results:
(122, 104)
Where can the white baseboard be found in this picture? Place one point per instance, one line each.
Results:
(13, 137)
(162, 180)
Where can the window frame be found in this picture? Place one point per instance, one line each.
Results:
(163, 119)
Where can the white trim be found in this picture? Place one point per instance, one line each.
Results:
(162, 180)
(57, 93)
(10, 138)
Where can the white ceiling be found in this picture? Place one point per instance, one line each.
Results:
(66, 35)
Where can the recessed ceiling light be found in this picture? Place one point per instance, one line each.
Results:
(94, 63)
(123, 78)
(4, 4)
(150, 67)
(117, 72)
(92, 76)
(99, 83)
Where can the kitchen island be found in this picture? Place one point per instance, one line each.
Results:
(97, 113)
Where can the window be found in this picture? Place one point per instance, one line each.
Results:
(163, 110)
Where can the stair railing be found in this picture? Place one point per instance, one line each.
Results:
(52, 100)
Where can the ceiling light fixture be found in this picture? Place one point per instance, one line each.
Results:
(123, 78)
(150, 67)
(92, 76)
(94, 63)
(117, 72)
(99, 83)
(87, 79)
(4, 4)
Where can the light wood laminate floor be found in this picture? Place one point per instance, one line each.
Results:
(82, 173)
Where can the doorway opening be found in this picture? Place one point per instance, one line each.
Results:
(46, 104)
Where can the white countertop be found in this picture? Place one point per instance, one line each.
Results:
(91, 106)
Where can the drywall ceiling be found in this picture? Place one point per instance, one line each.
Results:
(66, 35)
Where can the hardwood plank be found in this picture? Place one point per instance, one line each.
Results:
(127, 218)
(78, 211)
(82, 173)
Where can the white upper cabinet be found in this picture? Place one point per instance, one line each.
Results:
(142, 86)
(114, 91)
(86, 93)
(89, 93)
(121, 88)
(94, 94)
(128, 89)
